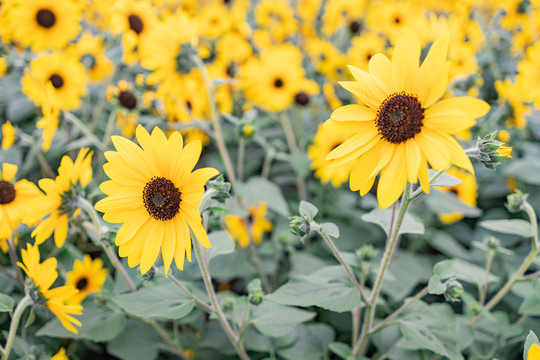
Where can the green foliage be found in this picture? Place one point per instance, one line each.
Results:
(6, 303)
(513, 226)
(383, 217)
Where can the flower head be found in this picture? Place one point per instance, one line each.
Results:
(401, 126)
(244, 231)
(87, 276)
(154, 193)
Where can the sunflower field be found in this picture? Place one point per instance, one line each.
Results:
(269, 179)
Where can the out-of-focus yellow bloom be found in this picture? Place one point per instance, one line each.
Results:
(8, 135)
(87, 276)
(244, 231)
(466, 192)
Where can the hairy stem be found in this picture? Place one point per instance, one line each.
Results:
(258, 264)
(23, 304)
(293, 148)
(198, 301)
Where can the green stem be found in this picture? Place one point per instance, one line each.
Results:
(198, 301)
(489, 261)
(13, 257)
(234, 339)
(42, 161)
(165, 336)
(222, 148)
(403, 307)
(385, 262)
(520, 271)
(89, 209)
(23, 304)
(258, 264)
(78, 123)
(267, 163)
(419, 192)
(346, 266)
(293, 148)
(240, 158)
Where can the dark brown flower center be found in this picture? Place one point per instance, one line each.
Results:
(231, 69)
(57, 81)
(81, 284)
(399, 118)
(136, 24)
(127, 99)
(161, 198)
(397, 20)
(355, 27)
(301, 98)
(278, 83)
(45, 18)
(7, 192)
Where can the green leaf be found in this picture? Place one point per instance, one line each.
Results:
(531, 339)
(6, 303)
(276, 320)
(447, 202)
(512, 226)
(342, 350)
(382, 218)
(173, 302)
(530, 306)
(31, 318)
(98, 324)
(260, 189)
(330, 229)
(311, 343)
(444, 179)
(329, 288)
(138, 342)
(308, 210)
(300, 163)
(221, 244)
(435, 285)
(462, 270)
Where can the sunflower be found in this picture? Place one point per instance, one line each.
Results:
(15, 199)
(326, 170)
(363, 48)
(59, 203)
(401, 126)
(66, 75)
(90, 51)
(8, 135)
(44, 275)
(244, 231)
(49, 121)
(125, 99)
(87, 276)
(154, 193)
(213, 20)
(44, 24)
(514, 95)
(343, 13)
(393, 18)
(466, 192)
(269, 84)
(276, 17)
(326, 58)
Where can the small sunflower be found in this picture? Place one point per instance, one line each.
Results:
(392, 18)
(466, 192)
(59, 202)
(276, 17)
(90, 51)
(66, 75)
(326, 58)
(244, 231)
(363, 48)
(401, 125)
(44, 275)
(327, 170)
(87, 276)
(213, 20)
(125, 99)
(154, 193)
(15, 199)
(343, 13)
(45, 24)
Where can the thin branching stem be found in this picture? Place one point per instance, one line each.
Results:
(21, 306)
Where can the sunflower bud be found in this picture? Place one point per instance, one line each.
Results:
(491, 152)
(255, 292)
(493, 243)
(228, 304)
(221, 189)
(454, 290)
(366, 253)
(299, 225)
(515, 202)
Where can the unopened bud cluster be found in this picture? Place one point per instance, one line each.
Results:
(515, 202)
(454, 290)
(490, 151)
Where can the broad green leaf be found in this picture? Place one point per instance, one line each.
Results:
(173, 302)
(6, 303)
(407, 270)
(342, 350)
(444, 179)
(462, 270)
(221, 244)
(138, 342)
(435, 285)
(276, 320)
(512, 226)
(330, 229)
(446, 203)
(525, 169)
(98, 324)
(382, 218)
(308, 210)
(260, 189)
(329, 288)
(530, 306)
(311, 343)
(531, 339)
(300, 163)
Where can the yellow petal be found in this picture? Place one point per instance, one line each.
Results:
(168, 245)
(393, 178)
(152, 245)
(405, 61)
(373, 100)
(534, 352)
(433, 74)
(455, 114)
(8, 171)
(433, 148)
(353, 112)
(354, 143)
(413, 158)
(381, 69)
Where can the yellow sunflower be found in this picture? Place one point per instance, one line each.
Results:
(125, 99)
(87, 276)
(15, 199)
(466, 192)
(66, 75)
(57, 205)
(44, 275)
(244, 231)
(276, 17)
(154, 192)
(514, 94)
(363, 48)
(343, 13)
(401, 127)
(44, 24)
(326, 170)
(90, 51)
(213, 20)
